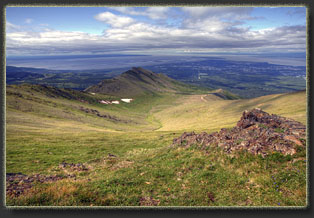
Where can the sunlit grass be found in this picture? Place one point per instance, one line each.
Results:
(145, 168)
(192, 113)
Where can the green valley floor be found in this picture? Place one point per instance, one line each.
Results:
(75, 152)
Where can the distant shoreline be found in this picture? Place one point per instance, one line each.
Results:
(114, 61)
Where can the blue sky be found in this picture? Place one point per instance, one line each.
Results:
(276, 17)
(168, 30)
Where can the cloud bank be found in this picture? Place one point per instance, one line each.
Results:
(203, 29)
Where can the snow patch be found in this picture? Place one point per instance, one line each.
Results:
(127, 100)
(109, 102)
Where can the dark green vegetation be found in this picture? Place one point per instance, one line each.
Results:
(127, 150)
(246, 79)
(57, 78)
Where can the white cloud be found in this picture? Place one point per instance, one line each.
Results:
(157, 12)
(144, 37)
(151, 12)
(114, 20)
(202, 29)
(234, 13)
(29, 20)
(11, 27)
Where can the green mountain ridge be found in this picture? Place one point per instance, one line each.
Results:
(139, 81)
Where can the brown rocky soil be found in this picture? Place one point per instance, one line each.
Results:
(18, 183)
(257, 132)
(73, 166)
(149, 201)
(97, 113)
(106, 116)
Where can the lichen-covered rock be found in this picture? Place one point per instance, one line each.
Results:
(257, 132)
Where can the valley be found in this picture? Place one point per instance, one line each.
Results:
(123, 154)
(247, 79)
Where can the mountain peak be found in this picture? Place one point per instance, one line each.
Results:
(139, 69)
(136, 81)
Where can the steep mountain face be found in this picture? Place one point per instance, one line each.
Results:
(137, 81)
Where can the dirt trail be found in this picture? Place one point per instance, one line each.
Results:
(203, 99)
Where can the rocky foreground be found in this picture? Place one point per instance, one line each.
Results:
(257, 132)
(18, 183)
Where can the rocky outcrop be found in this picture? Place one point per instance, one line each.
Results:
(257, 132)
(18, 183)
(106, 116)
(73, 166)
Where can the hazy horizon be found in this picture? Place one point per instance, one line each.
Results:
(99, 62)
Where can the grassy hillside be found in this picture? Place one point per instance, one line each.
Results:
(36, 104)
(138, 81)
(128, 155)
(210, 113)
